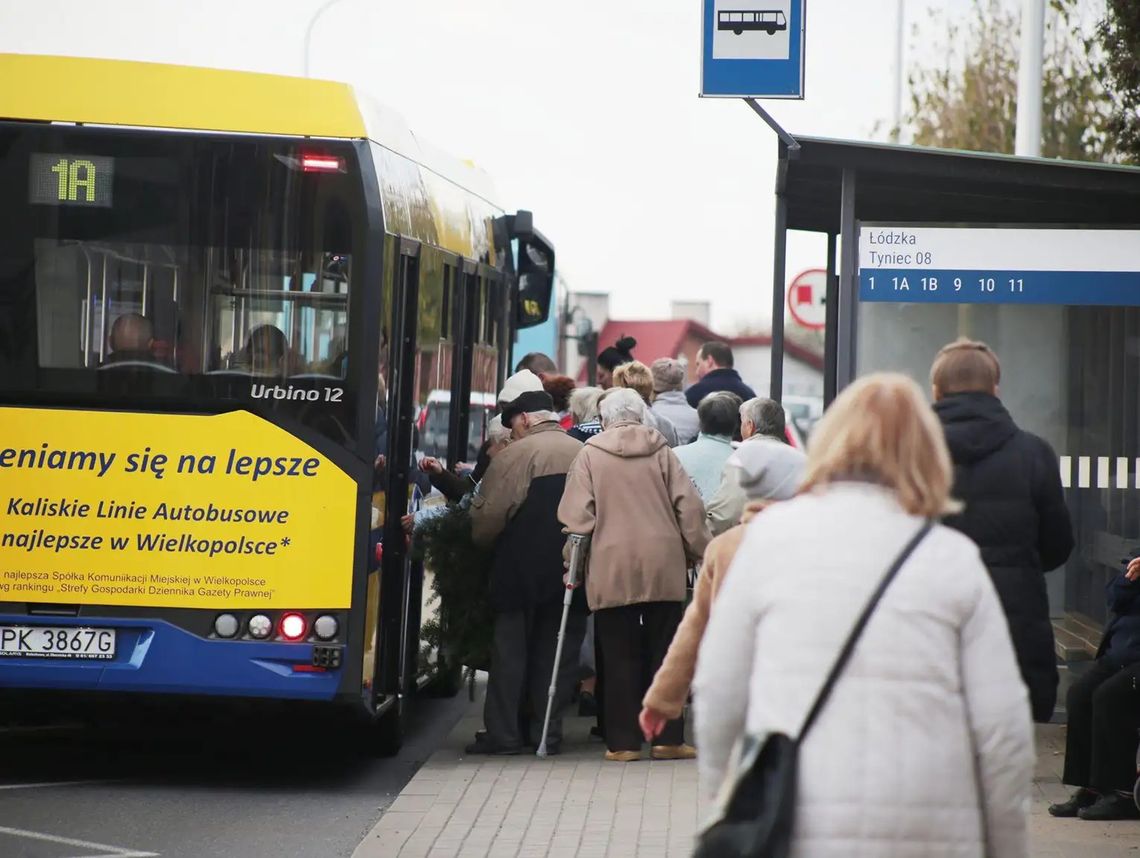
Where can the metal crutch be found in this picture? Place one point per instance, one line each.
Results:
(576, 541)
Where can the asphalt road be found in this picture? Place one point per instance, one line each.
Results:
(181, 784)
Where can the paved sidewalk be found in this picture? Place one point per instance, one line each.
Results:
(578, 806)
(1070, 838)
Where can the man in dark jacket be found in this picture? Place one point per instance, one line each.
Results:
(1104, 714)
(1015, 509)
(516, 510)
(715, 373)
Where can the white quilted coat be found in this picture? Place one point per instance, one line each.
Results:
(888, 769)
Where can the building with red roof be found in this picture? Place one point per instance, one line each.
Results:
(682, 338)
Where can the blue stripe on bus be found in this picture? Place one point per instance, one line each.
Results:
(154, 656)
(1099, 288)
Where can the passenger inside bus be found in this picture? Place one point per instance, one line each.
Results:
(132, 342)
(266, 352)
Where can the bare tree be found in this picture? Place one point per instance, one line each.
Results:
(970, 101)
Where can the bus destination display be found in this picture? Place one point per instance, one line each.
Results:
(999, 265)
(70, 180)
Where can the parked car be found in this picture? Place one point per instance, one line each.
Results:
(434, 417)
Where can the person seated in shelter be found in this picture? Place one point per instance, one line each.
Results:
(132, 341)
(1104, 714)
(264, 353)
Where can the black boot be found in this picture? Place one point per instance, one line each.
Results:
(1108, 807)
(483, 745)
(1082, 798)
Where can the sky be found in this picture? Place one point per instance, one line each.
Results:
(585, 113)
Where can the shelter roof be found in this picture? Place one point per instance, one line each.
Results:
(909, 183)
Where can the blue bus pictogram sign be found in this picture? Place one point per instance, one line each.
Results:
(753, 48)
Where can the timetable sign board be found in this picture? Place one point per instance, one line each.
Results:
(999, 265)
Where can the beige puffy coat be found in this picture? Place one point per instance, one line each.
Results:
(646, 522)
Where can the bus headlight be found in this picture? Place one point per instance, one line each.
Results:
(326, 627)
(260, 626)
(226, 625)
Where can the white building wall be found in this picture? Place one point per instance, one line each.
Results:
(754, 363)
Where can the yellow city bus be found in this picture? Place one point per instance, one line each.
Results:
(223, 298)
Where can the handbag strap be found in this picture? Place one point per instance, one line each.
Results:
(860, 625)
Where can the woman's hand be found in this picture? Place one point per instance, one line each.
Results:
(430, 465)
(1133, 571)
(652, 723)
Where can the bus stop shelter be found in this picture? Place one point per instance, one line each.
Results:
(1070, 366)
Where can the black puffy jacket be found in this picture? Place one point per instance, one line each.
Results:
(1015, 512)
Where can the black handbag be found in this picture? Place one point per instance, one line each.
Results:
(758, 812)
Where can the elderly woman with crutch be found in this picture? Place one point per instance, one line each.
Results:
(627, 492)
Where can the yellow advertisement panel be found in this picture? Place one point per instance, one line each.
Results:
(170, 510)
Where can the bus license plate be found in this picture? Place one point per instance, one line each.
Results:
(56, 642)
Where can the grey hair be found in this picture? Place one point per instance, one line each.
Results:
(584, 404)
(767, 415)
(497, 433)
(622, 404)
(542, 416)
(718, 414)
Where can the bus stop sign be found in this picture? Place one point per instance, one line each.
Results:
(752, 48)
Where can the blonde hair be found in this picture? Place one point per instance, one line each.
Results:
(965, 366)
(881, 428)
(584, 404)
(635, 376)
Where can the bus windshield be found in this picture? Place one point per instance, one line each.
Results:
(180, 261)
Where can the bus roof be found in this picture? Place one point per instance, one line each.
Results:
(155, 95)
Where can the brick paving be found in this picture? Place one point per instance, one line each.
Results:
(1070, 838)
(578, 806)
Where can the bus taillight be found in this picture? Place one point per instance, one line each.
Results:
(293, 626)
(321, 164)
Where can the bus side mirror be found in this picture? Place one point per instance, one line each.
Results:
(535, 272)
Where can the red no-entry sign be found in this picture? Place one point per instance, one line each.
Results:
(806, 298)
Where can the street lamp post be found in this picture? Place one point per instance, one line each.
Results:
(309, 29)
(1028, 138)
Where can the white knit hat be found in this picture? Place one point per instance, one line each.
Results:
(522, 393)
(769, 469)
(523, 381)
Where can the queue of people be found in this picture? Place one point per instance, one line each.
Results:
(935, 708)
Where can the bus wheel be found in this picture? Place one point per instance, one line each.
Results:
(383, 736)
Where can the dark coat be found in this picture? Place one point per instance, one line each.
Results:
(718, 380)
(585, 431)
(1121, 641)
(515, 510)
(1015, 512)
